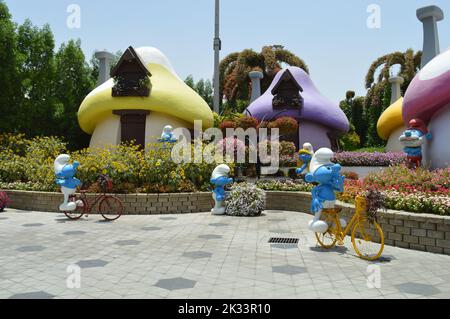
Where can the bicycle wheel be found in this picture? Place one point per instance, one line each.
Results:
(111, 208)
(328, 240)
(79, 211)
(368, 239)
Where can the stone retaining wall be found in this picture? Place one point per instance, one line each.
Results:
(134, 204)
(423, 232)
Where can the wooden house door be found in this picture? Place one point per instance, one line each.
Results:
(132, 124)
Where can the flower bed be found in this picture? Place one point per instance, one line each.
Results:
(28, 165)
(284, 185)
(369, 159)
(418, 191)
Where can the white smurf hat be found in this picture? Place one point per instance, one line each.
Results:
(221, 170)
(322, 157)
(60, 162)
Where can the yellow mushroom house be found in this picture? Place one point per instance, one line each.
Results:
(143, 96)
(391, 126)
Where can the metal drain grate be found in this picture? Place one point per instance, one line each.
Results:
(289, 241)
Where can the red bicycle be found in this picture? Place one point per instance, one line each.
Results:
(109, 206)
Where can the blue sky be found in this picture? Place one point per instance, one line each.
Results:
(331, 36)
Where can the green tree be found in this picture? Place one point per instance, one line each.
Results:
(202, 87)
(9, 77)
(73, 82)
(354, 109)
(379, 91)
(235, 83)
(205, 90)
(190, 81)
(37, 74)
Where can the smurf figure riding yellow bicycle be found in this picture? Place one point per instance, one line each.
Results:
(366, 234)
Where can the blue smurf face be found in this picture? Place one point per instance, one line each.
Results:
(412, 138)
(327, 173)
(306, 158)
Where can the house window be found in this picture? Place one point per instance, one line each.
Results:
(287, 93)
(131, 77)
(132, 126)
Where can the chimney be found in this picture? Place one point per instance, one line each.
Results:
(429, 16)
(256, 78)
(396, 82)
(105, 59)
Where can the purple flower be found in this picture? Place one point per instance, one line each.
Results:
(369, 159)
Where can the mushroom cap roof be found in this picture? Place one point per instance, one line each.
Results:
(429, 91)
(391, 119)
(169, 95)
(316, 107)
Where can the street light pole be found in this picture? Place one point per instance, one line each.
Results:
(217, 48)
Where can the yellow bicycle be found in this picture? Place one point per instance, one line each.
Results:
(367, 235)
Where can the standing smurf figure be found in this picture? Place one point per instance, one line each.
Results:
(328, 176)
(413, 139)
(65, 173)
(167, 135)
(220, 179)
(305, 157)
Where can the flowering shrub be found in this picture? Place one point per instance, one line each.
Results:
(245, 200)
(284, 185)
(287, 148)
(130, 168)
(227, 124)
(351, 175)
(401, 178)
(247, 122)
(231, 144)
(287, 125)
(288, 161)
(417, 191)
(369, 159)
(4, 200)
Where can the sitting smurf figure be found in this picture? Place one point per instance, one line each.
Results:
(328, 176)
(220, 179)
(167, 135)
(413, 139)
(305, 157)
(65, 173)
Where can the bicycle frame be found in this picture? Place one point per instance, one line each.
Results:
(360, 208)
(91, 205)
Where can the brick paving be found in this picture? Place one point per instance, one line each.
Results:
(199, 256)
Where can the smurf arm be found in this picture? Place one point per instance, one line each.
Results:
(301, 169)
(222, 181)
(75, 165)
(338, 183)
(316, 205)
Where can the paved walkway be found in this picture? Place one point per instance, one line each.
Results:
(198, 256)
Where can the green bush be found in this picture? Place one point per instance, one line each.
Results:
(350, 141)
(131, 169)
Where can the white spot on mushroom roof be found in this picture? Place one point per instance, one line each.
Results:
(436, 67)
(153, 55)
